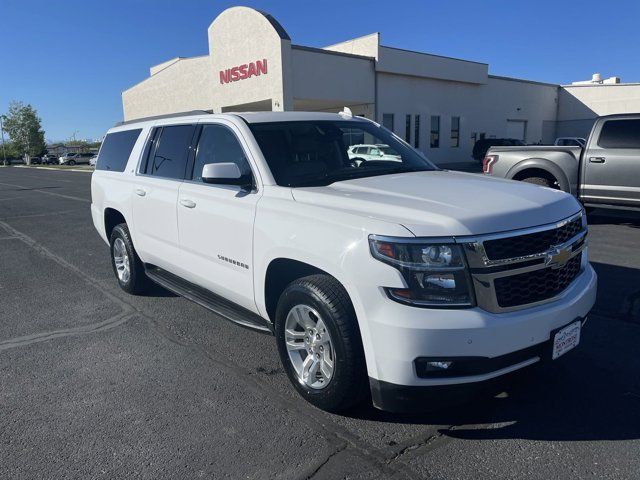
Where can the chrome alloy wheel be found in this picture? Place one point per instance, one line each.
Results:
(121, 260)
(309, 347)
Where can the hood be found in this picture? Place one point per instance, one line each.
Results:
(442, 203)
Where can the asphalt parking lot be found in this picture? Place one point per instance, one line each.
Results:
(98, 384)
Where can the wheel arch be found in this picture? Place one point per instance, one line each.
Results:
(540, 167)
(280, 272)
(112, 217)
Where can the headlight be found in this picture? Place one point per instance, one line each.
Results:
(435, 273)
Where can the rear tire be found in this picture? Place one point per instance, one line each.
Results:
(127, 266)
(325, 304)
(71, 163)
(541, 181)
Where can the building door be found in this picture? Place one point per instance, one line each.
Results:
(517, 129)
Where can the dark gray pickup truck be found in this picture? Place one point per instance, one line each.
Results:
(605, 173)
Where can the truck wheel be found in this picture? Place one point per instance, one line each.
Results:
(319, 343)
(126, 264)
(543, 182)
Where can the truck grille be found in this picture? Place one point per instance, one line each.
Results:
(530, 244)
(536, 286)
(526, 268)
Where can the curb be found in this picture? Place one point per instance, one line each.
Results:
(86, 170)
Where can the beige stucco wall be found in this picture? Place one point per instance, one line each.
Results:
(242, 35)
(182, 86)
(481, 108)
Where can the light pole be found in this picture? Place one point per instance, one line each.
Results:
(4, 153)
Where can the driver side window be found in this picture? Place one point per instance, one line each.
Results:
(218, 144)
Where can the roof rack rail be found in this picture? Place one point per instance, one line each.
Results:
(167, 115)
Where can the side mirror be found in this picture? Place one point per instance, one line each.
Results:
(225, 174)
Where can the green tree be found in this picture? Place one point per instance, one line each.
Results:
(23, 126)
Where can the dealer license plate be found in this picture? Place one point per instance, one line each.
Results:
(566, 339)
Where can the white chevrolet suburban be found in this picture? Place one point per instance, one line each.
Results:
(389, 277)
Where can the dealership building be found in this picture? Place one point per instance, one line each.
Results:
(440, 105)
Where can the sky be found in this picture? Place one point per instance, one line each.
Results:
(71, 59)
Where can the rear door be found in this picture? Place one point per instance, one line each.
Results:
(155, 195)
(611, 163)
(216, 221)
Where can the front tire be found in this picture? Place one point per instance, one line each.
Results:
(127, 266)
(71, 163)
(319, 343)
(541, 181)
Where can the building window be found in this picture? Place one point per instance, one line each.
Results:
(474, 138)
(435, 131)
(416, 133)
(387, 121)
(407, 129)
(455, 132)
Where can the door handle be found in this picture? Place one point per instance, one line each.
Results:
(596, 159)
(140, 192)
(185, 202)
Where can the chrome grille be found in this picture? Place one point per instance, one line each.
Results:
(521, 269)
(532, 243)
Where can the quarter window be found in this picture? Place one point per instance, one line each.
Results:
(435, 131)
(116, 149)
(416, 133)
(620, 134)
(218, 144)
(169, 159)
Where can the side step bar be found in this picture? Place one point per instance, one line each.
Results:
(209, 300)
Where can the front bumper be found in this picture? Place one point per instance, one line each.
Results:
(413, 399)
(400, 334)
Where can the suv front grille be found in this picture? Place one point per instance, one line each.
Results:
(532, 243)
(537, 285)
(512, 271)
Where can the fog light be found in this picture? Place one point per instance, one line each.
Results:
(437, 366)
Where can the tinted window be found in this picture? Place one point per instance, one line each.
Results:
(218, 144)
(169, 159)
(620, 134)
(314, 153)
(116, 149)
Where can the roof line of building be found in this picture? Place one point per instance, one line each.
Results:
(352, 39)
(163, 69)
(331, 52)
(513, 79)
(434, 55)
(631, 84)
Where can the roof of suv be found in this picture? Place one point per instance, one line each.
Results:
(249, 117)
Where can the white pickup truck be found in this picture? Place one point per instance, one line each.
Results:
(392, 278)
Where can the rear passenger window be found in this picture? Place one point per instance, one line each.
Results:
(116, 149)
(218, 144)
(169, 159)
(620, 134)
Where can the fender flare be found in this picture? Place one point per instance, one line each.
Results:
(541, 164)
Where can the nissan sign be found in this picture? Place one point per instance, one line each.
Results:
(246, 70)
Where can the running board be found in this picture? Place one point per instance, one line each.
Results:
(209, 300)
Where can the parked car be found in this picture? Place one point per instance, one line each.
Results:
(35, 160)
(367, 153)
(481, 146)
(93, 160)
(570, 142)
(49, 159)
(605, 173)
(75, 158)
(394, 278)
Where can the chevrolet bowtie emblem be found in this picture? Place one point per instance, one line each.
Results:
(557, 257)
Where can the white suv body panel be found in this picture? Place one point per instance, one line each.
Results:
(328, 228)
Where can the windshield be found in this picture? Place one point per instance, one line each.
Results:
(316, 153)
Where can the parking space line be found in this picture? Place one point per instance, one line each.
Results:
(70, 197)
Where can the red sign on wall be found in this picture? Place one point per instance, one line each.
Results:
(241, 72)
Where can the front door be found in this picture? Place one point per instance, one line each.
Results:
(612, 164)
(216, 221)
